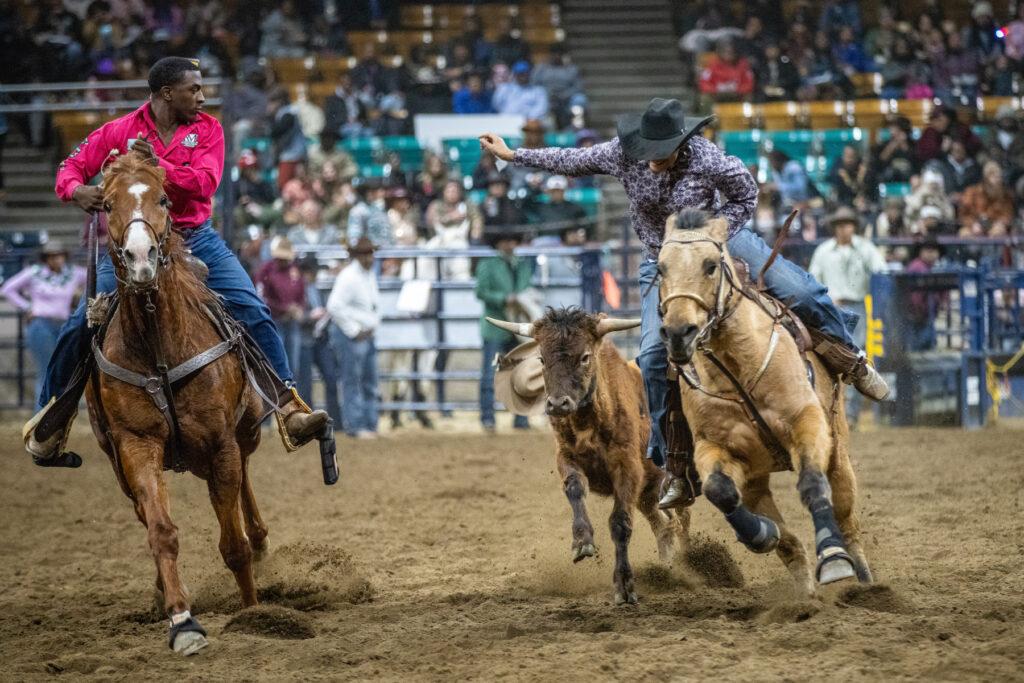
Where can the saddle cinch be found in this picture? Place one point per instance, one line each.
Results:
(271, 389)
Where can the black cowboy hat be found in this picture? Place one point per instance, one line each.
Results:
(659, 131)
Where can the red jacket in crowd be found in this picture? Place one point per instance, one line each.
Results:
(724, 78)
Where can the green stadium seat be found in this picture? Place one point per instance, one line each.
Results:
(893, 190)
(464, 153)
(375, 170)
(796, 144)
(744, 144)
(560, 139)
(408, 149)
(476, 196)
(258, 145)
(832, 142)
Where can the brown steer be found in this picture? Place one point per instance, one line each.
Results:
(598, 410)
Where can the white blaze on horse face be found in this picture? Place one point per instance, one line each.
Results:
(139, 241)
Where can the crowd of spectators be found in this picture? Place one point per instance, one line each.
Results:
(813, 55)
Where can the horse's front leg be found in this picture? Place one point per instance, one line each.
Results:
(225, 485)
(142, 462)
(574, 483)
(812, 445)
(723, 477)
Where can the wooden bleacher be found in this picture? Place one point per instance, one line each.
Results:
(527, 15)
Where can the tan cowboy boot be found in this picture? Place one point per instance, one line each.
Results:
(48, 453)
(298, 422)
(851, 364)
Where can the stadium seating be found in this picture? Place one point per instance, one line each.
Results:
(587, 197)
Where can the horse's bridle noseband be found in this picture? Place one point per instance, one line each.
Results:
(725, 289)
(162, 257)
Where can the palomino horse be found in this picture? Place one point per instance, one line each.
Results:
(218, 412)
(713, 328)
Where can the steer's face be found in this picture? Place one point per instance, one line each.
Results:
(568, 341)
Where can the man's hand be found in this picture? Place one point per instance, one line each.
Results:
(145, 150)
(88, 197)
(490, 142)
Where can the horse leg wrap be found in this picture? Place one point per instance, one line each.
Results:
(181, 623)
(834, 563)
(759, 534)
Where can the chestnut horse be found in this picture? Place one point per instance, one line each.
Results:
(218, 412)
(713, 326)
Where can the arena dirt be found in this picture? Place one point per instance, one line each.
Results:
(443, 557)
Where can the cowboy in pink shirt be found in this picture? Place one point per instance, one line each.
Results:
(170, 130)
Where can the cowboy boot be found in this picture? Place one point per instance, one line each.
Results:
(851, 364)
(49, 452)
(681, 484)
(297, 421)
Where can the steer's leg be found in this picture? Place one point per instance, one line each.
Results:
(574, 483)
(812, 445)
(620, 523)
(722, 475)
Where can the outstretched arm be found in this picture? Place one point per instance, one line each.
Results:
(571, 161)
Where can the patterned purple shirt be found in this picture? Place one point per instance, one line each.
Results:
(705, 179)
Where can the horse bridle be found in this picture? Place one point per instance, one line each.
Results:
(725, 290)
(162, 257)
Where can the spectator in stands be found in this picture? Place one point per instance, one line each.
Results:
(497, 208)
(844, 264)
(346, 110)
(317, 347)
(564, 267)
(897, 69)
(751, 45)
(890, 222)
(983, 34)
(485, 168)
(561, 79)
(454, 219)
(894, 160)
(923, 305)
(1014, 39)
(283, 32)
(459, 63)
(778, 78)
(473, 97)
(368, 218)
(339, 206)
(930, 193)
(247, 106)
(850, 55)
(727, 76)
(957, 73)
(280, 284)
(837, 15)
(849, 179)
(558, 213)
(403, 216)
(510, 48)
(431, 179)
(525, 180)
(255, 196)
(1004, 143)
(311, 231)
(326, 152)
(943, 128)
(481, 51)
(822, 76)
(392, 115)
(881, 40)
(958, 170)
(286, 134)
(368, 75)
(44, 293)
(354, 306)
(499, 279)
(1000, 78)
(790, 180)
(519, 97)
(311, 117)
(987, 209)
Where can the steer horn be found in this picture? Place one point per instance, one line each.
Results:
(522, 329)
(607, 325)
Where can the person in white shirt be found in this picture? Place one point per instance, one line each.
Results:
(844, 264)
(354, 305)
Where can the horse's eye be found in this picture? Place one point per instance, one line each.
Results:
(585, 359)
(709, 267)
(106, 207)
(163, 201)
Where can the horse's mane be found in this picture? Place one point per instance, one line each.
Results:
(128, 165)
(691, 219)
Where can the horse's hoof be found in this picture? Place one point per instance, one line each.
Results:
(584, 551)
(189, 642)
(767, 538)
(834, 565)
(628, 598)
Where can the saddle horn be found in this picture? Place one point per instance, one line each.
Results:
(521, 329)
(607, 325)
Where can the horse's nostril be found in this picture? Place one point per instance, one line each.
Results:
(663, 332)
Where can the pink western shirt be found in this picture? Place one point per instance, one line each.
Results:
(194, 161)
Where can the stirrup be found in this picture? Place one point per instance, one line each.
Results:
(293, 444)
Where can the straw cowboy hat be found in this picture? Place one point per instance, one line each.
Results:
(659, 131)
(519, 381)
(52, 248)
(281, 248)
(844, 214)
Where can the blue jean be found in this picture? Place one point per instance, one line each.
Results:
(358, 382)
(490, 350)
(227, 278)
(319, 352)
(785, 280)
(41, 336)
